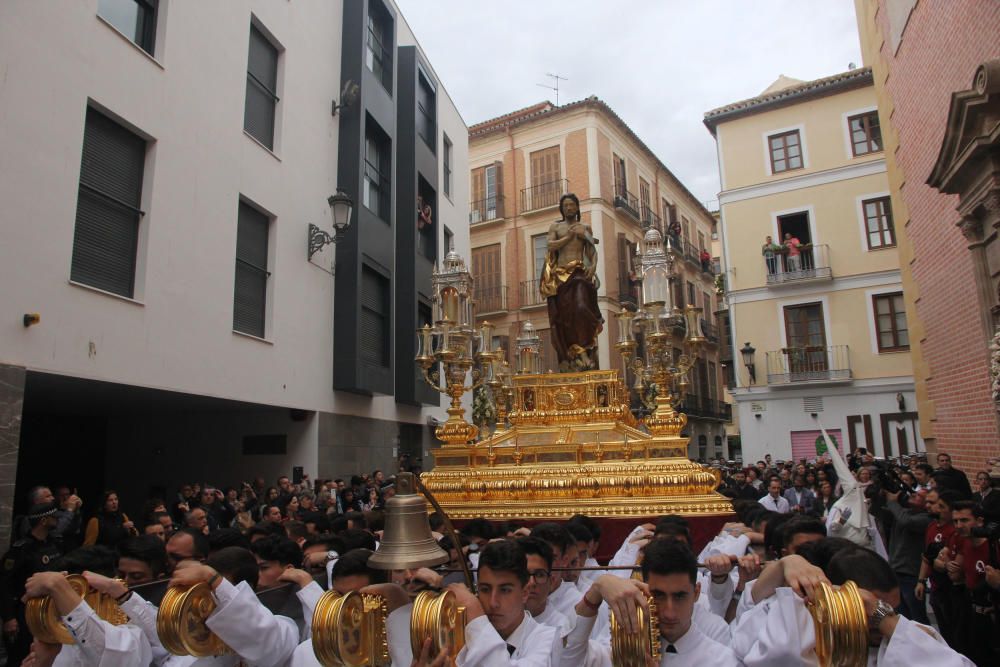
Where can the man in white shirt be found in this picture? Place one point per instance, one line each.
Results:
(97, 642)
(539, 555)
(773, 500)
(779, 629)
(670, 573)
(563, 595)
(258, 637)
(499, 631)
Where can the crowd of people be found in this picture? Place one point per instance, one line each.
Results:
(911, 536)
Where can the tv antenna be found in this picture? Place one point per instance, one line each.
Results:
(555, 79)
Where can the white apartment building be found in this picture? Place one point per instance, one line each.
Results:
(162, 163)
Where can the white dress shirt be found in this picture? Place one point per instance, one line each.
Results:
(100, 644)
(694, 649)
(262, 639)
(143, 615)
(556, 619)
(565, 597)
(778, 504)
(780, 631)
(535, 645)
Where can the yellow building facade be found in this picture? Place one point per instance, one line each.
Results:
(520, 165)
(817, 319)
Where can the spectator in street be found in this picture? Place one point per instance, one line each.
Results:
(825, 500)
(110, 526)
(952, 478)
(774, 500)
(800, 499)
(906, 545)
(197, 519)
(141, 560)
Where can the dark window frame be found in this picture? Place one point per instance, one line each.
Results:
(426, 118)
(246, 267)
(380, 27)
(870, 144)
(378, 176)
(883, 219)
(447, 148)
(255, 83)
(383, 314)
(95, 233)
(890, 298)
(144, 33)
(771, 149)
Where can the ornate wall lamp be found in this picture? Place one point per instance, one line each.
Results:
(341, 207)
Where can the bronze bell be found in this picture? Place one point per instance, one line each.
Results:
(407, 542)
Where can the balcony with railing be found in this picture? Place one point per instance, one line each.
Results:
(543, 195)
(486, 210)
(710, 331)
(626, 201)
(811, 265)
(489, 299)
(649, 218)
(809, 364)
(530, 295)
(703, 407)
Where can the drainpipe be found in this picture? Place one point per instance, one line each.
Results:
(517, 237)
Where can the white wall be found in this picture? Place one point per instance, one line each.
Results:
(189, 101)
(783, 413)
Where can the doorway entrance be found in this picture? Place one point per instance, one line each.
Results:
(796, 224)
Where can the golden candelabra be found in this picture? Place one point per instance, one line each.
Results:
(455, 348)
(672, 339)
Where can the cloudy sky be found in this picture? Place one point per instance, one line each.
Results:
(660, 64)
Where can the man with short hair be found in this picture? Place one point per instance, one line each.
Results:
(774, 501)
(141, 559)
(186, 544)
(906, 544)
(274, 554)
(197, 519)
(539, 559)
(949, 477)
(940, 534)
(922, 473)
(800, 499)
(272, 514)
(670, 577)
(970, 570)
(499, 631)
(562, 594)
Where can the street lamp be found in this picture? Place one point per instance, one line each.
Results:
(748, 360)
(341, 207)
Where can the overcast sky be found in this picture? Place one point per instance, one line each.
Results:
(660, 64)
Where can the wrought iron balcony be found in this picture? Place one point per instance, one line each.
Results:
(812, 264)
(543, 195)
(650, 218)
(710, 331)
(530, 295)
(626, 201)
(813, 363)
(486, 210)
(491, 299)
(628, 298)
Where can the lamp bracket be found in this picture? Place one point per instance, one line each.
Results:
(319, 239)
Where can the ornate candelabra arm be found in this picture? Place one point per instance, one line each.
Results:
(433, 381)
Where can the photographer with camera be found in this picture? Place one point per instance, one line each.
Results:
(906, 540)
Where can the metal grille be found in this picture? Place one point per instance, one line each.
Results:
(812, 404)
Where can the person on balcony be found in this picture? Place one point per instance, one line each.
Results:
(570, 285)
(770, 251)
(706, 260)
(793, 247)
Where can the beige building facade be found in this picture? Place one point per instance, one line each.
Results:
(818, 325)
(520, 166)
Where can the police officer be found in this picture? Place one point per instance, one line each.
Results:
(33, 553)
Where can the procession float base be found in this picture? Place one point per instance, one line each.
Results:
(574, 447)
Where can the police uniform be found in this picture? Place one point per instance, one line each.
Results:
(26, 557)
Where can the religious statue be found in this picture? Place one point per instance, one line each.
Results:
(570, 285)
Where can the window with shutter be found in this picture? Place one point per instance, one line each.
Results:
(540, 249)
(545, 174)
(262, 88)
(376, 194)
(487, 275)
(426, 112)
(375, 311)
(107, 212)
(621, 182)
(250, 291)
(623, 265)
